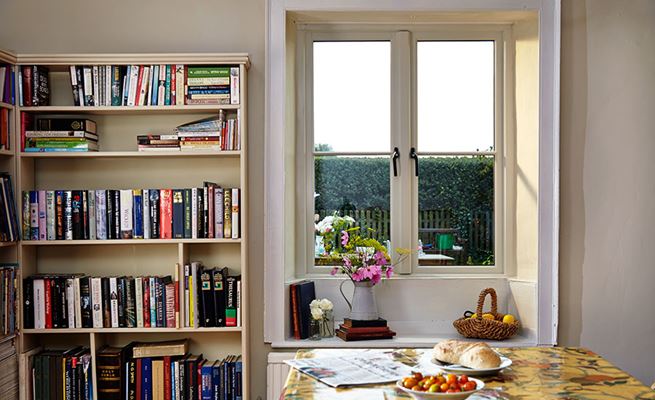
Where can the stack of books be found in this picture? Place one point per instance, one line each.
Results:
(34, 86)
(61, 135)
(209, 297)
(352, 329)
(158, 142)
(153, 85)
(206, 212)
(8, 299)
(166, 370)
(60, 374)
(7, 84)
(213, 133)
(8, 370)
(9, 227)
(208, 84)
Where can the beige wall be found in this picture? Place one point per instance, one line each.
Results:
(165, 26)
(607, 272)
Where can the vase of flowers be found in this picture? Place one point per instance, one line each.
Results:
(322, 317)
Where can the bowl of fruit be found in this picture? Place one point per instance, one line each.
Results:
(439, 386)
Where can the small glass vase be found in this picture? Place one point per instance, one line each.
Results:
(314, 329)
(326, 324)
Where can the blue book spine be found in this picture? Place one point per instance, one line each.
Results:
(154, 83)
(34, 215)
(239, 380)
(226, 381)
(207, 385)
(153, 303)
(138, 214)
(13, 87)
(208, 91)
(53, 150)
(173, 383)
(216, 380)
(146, 379)
(126, 85)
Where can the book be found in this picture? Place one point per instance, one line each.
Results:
(138, 213)
(160, 349)
(178, 213)
(126, 213)
(305, 294)
(96, 302)
(207, 298)
(108, 370)
(236, 200)
(166, 214)
(219, 277)
(231, 302)
(227, 213)
(61, 126)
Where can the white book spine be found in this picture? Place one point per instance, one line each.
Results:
(138, 294)
(20, 87)
(39, 303)
(134, 77)
(153, 303)
(101, 86)
(176, 369)
(77, 302)
(108, 77)
(92, 215)
(144, 86)
(187, 319)
(101, 214)
(146, 214)
(239, 303)
(70, 303)
(73, 74)
(218, 212)
(126, 214)
(50, 214)
(68, 214)
(235, 213)
(88, 86)
(234, 85)
(194, 213)
(179, 84)
(126, 85)
(96, 87)
(96, 302)
(113, 301)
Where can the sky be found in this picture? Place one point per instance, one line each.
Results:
(455, 95)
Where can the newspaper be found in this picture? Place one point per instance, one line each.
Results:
(353, 369)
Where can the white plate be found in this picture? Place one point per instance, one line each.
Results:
(432, 396)
(459, 369)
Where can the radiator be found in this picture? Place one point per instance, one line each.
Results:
(276, 374)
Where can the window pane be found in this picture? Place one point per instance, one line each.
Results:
(456, 210)
(455, 85)
(351, 186)
(352, 82)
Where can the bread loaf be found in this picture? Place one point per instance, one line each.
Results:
(476, 355)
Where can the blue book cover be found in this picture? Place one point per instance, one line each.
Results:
(154, 83)
(178, 213)
(34, 215)
(226, 379)
(138, 214)
(146, 379)
(239, 379)
(173, 382)
(167, 97)
(53, 150)
(216, 379)
(207, 385)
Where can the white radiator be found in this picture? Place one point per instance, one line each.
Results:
(276, 374)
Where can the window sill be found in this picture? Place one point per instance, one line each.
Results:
(398, 277)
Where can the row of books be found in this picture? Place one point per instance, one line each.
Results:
(166, 370)
(62, 374)
(209, 297)
(34, 86)
(5, 129)
(150, 85)
(210, 134)
(206, 212)
(60, 134)
(7, 299)
(8, 370)
(9, 227)
(7, 93)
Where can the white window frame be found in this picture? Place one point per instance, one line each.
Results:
(403, 40)
(279, 183)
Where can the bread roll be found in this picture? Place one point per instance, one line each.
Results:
(476, 355)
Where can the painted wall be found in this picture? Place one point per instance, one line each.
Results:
(123, 26)
(607, 273)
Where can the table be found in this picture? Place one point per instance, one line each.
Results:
(536, 373)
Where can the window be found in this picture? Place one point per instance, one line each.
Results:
(434, 99)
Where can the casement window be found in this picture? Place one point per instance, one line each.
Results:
(402, 129)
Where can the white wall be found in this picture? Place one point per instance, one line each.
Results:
(608, 218)
(124, 26)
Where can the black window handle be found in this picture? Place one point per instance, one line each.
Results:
(395, 156)
(412, 154)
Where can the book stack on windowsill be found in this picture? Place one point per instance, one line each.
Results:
(352, 330)
(61, 135)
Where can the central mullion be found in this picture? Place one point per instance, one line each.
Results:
(401, 185)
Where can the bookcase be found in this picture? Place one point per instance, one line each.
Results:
(119, 165)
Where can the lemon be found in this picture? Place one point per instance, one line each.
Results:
(474, 316)
(509, 319)
(488, 316)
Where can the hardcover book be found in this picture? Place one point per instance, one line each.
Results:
(166, 214)
(126, 205)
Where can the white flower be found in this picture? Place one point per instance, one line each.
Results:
(325, 225)
(326, 305)
(349, 219)
(317, 313)
(315, 304)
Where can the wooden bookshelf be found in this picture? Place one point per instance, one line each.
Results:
(118, 164)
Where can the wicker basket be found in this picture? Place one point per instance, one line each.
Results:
(481, 328)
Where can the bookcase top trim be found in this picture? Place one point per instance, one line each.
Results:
(7, 57)
(133, 58)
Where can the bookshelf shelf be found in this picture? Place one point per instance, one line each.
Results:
(125, 242)
(6, 153)
(126, 110)
(133, 154)
(131, 330)
(7, 244)
(6, 105)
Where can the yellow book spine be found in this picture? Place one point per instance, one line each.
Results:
(191, 302)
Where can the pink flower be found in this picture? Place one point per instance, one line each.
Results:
(389, 272)
(344, 238)
(334, 271)
(380, 259)
(357, 276)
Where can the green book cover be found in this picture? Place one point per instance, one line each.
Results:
(167, 96)
(208, 72)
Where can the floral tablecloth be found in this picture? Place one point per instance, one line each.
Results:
(536, 373)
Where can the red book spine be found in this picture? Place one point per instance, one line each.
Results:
(138, 379)
(146, 302)
(139, 83)
(27, 86)
(199, 381)
(294, 312)
(25, 124)
(381, 329)
(4, 128)
(48, 303)
(176, 289)
(167, 378)
(170, 305)
(166, 214)
(173, 80)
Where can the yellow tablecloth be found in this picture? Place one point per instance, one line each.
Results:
(536, 373)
